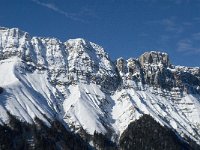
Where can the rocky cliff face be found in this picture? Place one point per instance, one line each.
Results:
(67, 62)
(154, 69)
(76, 82)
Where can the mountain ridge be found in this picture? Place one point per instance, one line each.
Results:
(77, 82)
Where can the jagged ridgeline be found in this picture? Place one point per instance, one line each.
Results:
(76, 84)
(154, 69)
(66, 62)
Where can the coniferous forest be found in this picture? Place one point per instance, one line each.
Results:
(143, 134)
(23, 136)
(147, 134)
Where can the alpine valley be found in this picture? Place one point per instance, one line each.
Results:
(70, 95)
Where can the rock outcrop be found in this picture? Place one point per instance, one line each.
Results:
(153, 57)
(154, 69)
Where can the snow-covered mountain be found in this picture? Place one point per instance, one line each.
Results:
(77, 83)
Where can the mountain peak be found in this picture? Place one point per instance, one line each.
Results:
(12, 31)
(154, 57)
(3, 28)
(77, 40)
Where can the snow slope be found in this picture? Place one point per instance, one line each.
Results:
(183, 117)
(83, 107)
(26, 95)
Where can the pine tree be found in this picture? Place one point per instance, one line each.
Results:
(1, 90)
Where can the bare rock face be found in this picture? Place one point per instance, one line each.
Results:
(75, 60)
(120, 64)
(89, 62)
(154, 58)
(14, 42)
(133, 65)
(154, 69)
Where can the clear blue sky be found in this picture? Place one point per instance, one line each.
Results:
(124, 28)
